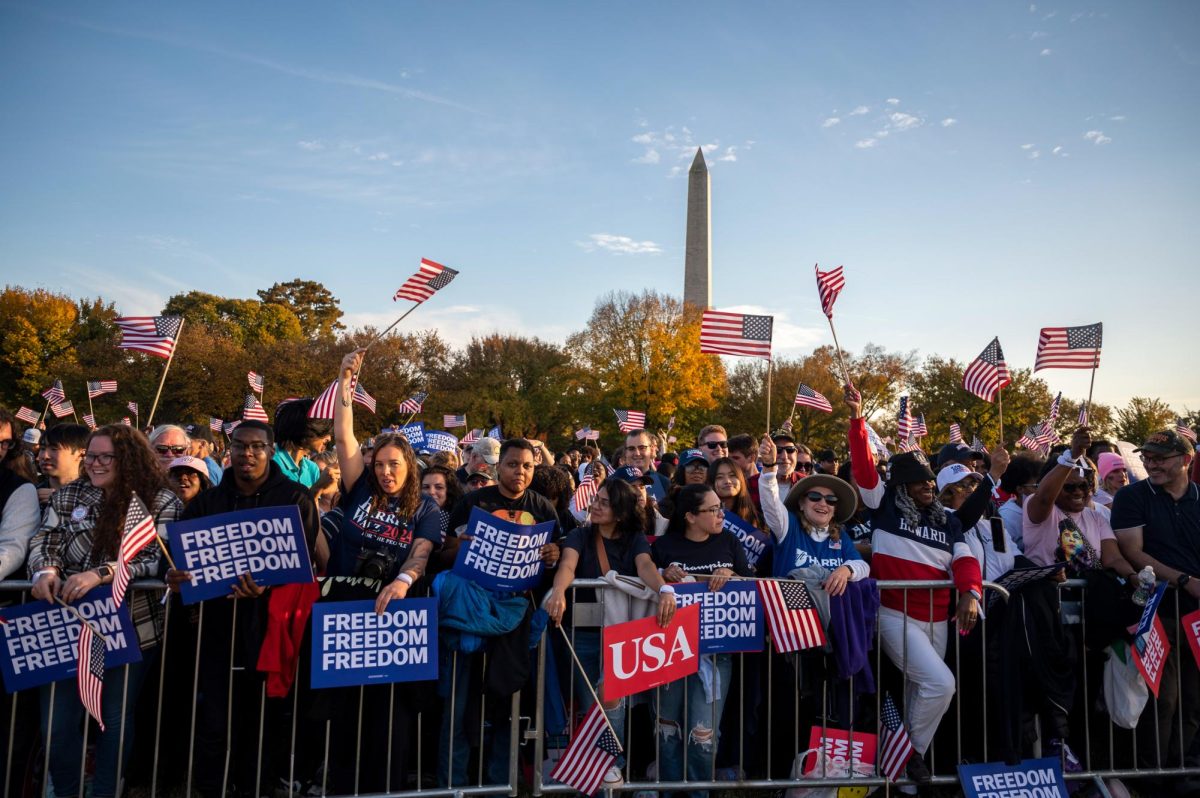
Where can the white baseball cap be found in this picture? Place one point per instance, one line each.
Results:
(952, 473)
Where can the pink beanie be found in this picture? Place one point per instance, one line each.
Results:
(1109, 461)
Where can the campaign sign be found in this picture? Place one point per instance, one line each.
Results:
(1191, 629)
(1150, 654)
(641, 655)
(267, 542)
(438, 441)
(730, 618)
(40, 638)
(1031, 778)
(839, 746)
(502, 555)
(754, 541)
(415, 433)
(1151, 609)
(351, 645)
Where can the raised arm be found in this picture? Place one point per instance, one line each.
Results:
(862, 462)
(1041, 503)
(768, 489)
(349, 456)
(977, 503)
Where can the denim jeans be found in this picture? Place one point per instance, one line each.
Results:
(683, 704)
(452, 770)
(66, 742)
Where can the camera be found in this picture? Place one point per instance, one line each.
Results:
(375, 564)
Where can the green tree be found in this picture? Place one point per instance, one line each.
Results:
(936, 391)
(312, 303)
(1143, 416)
(241, 320)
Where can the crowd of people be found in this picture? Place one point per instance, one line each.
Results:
(220, 689)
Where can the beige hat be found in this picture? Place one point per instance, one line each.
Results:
(846, 494)
(488, 449)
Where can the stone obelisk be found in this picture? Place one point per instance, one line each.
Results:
(697, 263)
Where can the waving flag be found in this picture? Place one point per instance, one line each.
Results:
(126, 421)
(90, 677)
(904, 420)
(214, 424)
(62, 409)
(230, 426)
(590, 754)
(154, 335)
(139, 531)
(629, 420)
(919, 429)
(895, 747)
(1181, 426)
(956, 433)
(323, 406)
(877, 443)
(54, 394)
(1029, 439)
(132, 407)
(791, 615)
(1083, 416)
(256, 381)
(909, 444)
(584, 494)
(1054, 406)
(587, 434)
(809, 398)
(101, 387)
(27, 415)
(414, 403)
(723, 333)
(1069, 347)
(987, 373)
(430, 277)
(90, 420)
(252, 410)
(451, 421)
(829, 285)
(363, 398)
(471, 437)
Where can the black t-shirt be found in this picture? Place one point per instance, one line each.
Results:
(1170, 529)
(701, 557)
(622, 552)
(532, 508)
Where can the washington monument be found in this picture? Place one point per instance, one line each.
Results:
(697, 262)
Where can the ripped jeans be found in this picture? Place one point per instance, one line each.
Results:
(684, 705)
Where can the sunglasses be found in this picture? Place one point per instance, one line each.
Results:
(804, 466)
(712, 446)
(1076, 487)
(175, 450)
(817, 496)
(788, 449)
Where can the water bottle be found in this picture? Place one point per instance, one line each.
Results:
(1145, 589)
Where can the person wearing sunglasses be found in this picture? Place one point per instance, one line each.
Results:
(76, 551)
(713, 441)
(170, 441)
(19, 513)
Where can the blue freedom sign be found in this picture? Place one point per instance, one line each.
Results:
(1032, 778)
(754, 541)
(731, 618)
(438, 441)
(501, 555)
(351, 645)
(1147, 619)
(415, 433)
(40, 639)
(266, 542)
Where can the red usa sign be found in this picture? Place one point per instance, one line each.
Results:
(641, 655)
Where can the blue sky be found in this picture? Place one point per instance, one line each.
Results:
(980, 169)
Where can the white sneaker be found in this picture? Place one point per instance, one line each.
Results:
(613, 778)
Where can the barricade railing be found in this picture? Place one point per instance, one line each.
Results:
(463, 747)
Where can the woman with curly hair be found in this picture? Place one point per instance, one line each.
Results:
(439, 483)
(76, 551)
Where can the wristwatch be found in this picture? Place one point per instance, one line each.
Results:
(1183, 580)
(105, 570)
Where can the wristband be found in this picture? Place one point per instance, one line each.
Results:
(1065, 459)
(405, 578)
(43, 572)
(667, 589)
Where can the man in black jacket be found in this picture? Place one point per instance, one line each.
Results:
(252, 481)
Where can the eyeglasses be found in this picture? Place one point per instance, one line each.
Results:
(816, 496)
(175, 450)
(717, 510)
(712, 446)
(637, 448)
(7, 444)
(101, 458)
(1154, 459)
(1076, 487)
(804, 466)
(258, 447)
(788, 449)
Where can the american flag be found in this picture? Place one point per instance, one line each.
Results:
(584, 493)
(724, 333)
(919, 428)
(425, 283)
(904, 419)
(956, 433)
(54, 393)
(414, 403)
(1029, 439)
(629, 420)
(471, 437)
(323, 406)
(127, 421)
(214, 424)
(1069, 347)
(230, 426)
(101, 387)
(495, 432)
(90, 420)
(877, 443)
(809, 398)
(909, 444)
(1083, 416)
(670, 423)
(62, 409)
(1054, 409)
(1181, 426)
(590, 754)
(1045, 435)
(91, 671)
(256, 381)
(987, 373)
(895, 748)
(252, 410)
(450, 421)
(587, 434)
(829, 285)
(154, 335)
(363, 398)
(791, 615)
(132, 407)
(27, 415)
(139, 531)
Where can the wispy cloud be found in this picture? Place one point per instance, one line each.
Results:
(649, 156)
(830, 121)
(311, 146)
(860, 110)
(949, 122)
(893, 101)
(1038, 34)
(866, 144)
(621, 245)
(1097, 137)
(678, 145)
(903, 121)
(1028, 146)
(1118, 118)
(1047, 51)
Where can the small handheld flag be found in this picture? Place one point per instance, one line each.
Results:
(54, 394)
(100, 388)
(723, 333)
(363, 398)
(252, 410)
(139, 532)
(256, 381)
(430, 277)
(810, 398)
(895, 748)
(62, 409)
(90, 677)
(154, 335)
(451, 421)
(791, 615)
(629, 420)
(414, 403)
(956, 433)
(987, 373)
(829, 285)
(27, 415)
(590, 754)
(1069, 347)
